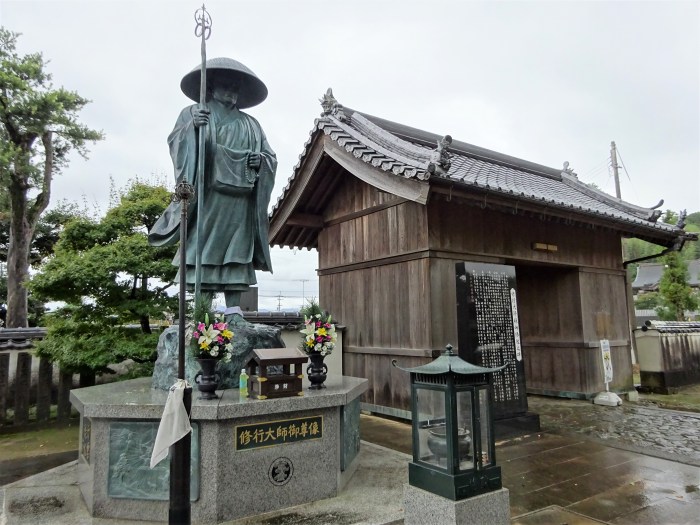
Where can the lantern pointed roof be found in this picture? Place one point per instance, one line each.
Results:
(449, 362)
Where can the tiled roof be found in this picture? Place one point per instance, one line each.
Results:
(649, 275)
(20, 338)
(410, 153)
(672, 327)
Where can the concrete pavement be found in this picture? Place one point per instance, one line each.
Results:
(590, 464)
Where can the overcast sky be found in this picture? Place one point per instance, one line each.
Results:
(543, 81)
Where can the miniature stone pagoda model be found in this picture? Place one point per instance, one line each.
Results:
(270, 372)
(453, 476)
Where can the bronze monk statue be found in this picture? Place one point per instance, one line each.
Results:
(238, 179)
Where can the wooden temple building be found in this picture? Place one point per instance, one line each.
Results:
(392, 210)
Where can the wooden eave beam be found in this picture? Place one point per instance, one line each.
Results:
(484, 198)
(306, 220)
(292, 201)
(409, 189)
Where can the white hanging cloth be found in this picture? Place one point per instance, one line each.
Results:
(174, 424)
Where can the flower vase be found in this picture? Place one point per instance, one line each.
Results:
(317, 371)
(207, 378)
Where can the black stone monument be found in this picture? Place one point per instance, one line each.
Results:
(488, 335)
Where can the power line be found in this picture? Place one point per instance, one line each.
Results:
(292, 295)
(623, 165)
(597, 168)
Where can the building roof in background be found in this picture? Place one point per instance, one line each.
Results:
(20, 338)
(411, 161)
(649, 275)
(672, 327)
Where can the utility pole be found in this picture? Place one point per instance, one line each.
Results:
(613, 156)
(303, 295)
(279, 302)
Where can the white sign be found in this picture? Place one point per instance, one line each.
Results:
(607, 360)
(516, 325)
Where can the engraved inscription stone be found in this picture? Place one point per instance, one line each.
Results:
(130, 475)
(272, 433)
(489, 332)
(85, 438)
(350, 433)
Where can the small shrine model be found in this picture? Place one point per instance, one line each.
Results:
(275, 372)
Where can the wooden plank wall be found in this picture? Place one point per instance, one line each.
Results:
(374, 276)
(385, 227)
(386, 270)
(549, 304)
(467, 229)
(604, 305)
(564, 312)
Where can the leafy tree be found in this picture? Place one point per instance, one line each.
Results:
(693, 218)
(38, 130)
(47, 230)
(46, 233)
(636, 248)
(676, 295)
(647, 301)
(670, 217)
(110, 277)
(691, 250)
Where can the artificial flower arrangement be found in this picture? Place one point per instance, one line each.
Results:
(212, 340)
(319, 334)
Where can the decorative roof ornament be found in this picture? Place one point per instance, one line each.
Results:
(440, 162)
(331, 106)
(567, 170)
(681, 219)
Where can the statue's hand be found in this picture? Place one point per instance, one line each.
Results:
(254, 161)
(200, 116)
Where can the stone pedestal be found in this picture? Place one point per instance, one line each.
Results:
(248, 337)
(248, 456)
(422, 507)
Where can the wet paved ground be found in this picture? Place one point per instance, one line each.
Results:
(664, 433)
(628, 465)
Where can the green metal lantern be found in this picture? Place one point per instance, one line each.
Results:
(454, 452)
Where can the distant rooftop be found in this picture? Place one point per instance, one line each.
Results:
(649, 275)
(674, 327)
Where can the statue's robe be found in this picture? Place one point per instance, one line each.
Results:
(233, 218)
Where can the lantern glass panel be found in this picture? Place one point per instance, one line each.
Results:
(430, 407)
(465, 430)
(485, 417)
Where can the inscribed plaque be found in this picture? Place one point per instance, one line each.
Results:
(272, 433)
(489, 331)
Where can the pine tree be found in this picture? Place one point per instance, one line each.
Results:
(38, 130)
(676, 295)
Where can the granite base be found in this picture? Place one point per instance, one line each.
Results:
(421, 507)
(254, 456)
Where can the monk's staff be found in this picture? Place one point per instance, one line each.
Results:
(203, 30)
